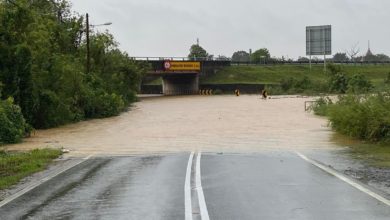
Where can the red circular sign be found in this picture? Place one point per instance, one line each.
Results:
(167, 65)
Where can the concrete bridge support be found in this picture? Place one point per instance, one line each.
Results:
(181, 84)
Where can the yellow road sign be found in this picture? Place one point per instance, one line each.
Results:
(182, 66)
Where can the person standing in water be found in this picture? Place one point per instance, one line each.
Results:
(264, 94)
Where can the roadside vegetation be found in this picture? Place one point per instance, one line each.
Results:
(361, 112)
(43, 73)
(15, 166)
(358, 111)
(13, 126)
(366, 117)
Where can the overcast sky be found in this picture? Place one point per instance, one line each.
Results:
(170, 27)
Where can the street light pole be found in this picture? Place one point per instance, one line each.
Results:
(88, 67)
(88, 53)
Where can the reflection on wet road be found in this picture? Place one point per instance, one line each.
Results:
(108, 188)
(268, 185)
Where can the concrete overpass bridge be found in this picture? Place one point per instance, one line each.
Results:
(180, 75)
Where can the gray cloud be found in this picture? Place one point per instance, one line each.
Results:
(170, 27)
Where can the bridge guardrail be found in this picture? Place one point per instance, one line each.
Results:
(263, 62)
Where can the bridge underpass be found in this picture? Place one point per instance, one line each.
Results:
(180, 84)
(181, 77)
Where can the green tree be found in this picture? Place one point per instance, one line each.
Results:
(340, 57)
(24, 97)
(42, 65)
(197, 52)
(382, 58)
(303, 59)
(261, 55)
(240, 56)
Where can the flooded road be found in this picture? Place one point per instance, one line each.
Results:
(183, 124)
(262, 159)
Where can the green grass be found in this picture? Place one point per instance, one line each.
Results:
(16, 165)
(377, 155)
(273, 74)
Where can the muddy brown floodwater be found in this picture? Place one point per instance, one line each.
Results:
(188, 123)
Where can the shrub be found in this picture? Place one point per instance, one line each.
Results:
(101, 104)
(387, 80)
(321, 106)
(358, 83)
(338, 83)
(364, 117)
(13, 127)
(52, 110)
(293, 85)
(287, 83)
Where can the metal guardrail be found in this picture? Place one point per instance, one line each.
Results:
(263, 62)
(177, 59)
(308, 107)
(305, 63)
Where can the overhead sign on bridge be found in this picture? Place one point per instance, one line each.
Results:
(181, 66)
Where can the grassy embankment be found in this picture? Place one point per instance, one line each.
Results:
(275, 74)
(15, 166)
(305, 80)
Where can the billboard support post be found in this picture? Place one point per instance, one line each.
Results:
(324, 47)
(310, 49)
(319, 42)
(325, 63)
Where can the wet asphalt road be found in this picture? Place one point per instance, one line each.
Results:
(270, 185)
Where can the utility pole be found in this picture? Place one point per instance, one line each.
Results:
(250, 56)
(88, 64)
(88, 52)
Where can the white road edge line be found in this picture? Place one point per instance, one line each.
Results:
(187, 190)
(33, 186)
(198, 181)
(345, 179)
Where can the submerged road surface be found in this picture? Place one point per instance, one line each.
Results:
(268, 185)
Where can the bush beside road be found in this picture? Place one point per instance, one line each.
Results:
(365, 120)
(366, 117)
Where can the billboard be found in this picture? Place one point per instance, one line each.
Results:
(181, 66)
(319, 40)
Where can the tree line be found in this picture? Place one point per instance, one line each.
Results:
(43, 79)
(263, 55)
